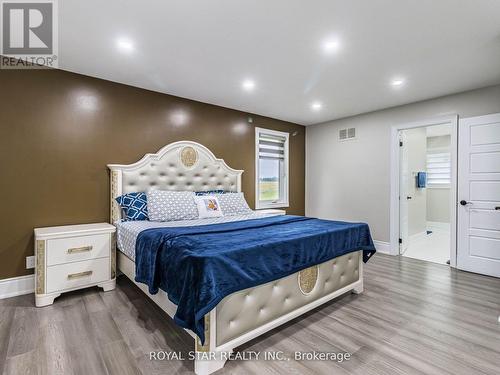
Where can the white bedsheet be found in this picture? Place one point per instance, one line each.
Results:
(127, 231)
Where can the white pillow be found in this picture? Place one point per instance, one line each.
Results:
(208, 206)
(233, 204)
(166, 205)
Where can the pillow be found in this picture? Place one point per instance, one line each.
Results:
(210, 192)
(234, 204)
(166, 205)
(134, 206)
(208, 206)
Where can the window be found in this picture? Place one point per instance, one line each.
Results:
(271, 164)
(438, 168)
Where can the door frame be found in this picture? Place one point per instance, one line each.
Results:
(403, 154)
(394, 199)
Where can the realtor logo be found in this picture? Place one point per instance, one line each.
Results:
(29, 34)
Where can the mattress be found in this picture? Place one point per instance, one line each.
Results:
(127, 231)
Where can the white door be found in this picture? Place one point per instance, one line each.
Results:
(478, 234)
(404, 176)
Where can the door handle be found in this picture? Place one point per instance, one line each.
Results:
(465, 203)
(408, 197)
(497, 208)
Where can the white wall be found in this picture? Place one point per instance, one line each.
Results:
(438, 199)
(438, 205)
(351, 180)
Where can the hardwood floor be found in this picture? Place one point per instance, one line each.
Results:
(414, 317)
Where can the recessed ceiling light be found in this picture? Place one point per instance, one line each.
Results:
(125, 45)
(248, 84)
(397, 82)
(316, 106)
(331, 45)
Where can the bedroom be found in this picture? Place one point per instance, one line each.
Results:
(293, 132)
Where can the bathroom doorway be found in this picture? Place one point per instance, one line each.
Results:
(425, 186)
(419, 226)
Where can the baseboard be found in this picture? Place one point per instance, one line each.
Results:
(382, 247)
(17, 286)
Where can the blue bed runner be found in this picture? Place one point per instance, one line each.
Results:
(198, 266)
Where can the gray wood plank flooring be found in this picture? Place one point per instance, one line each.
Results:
(414, 317)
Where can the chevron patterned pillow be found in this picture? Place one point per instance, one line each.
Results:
(134, 206)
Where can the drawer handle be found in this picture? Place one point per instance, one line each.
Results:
(82, 249)
(79, 274)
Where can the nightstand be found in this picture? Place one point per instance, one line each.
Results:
(272, 211)
(73, 257)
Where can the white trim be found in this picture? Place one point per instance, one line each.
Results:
(285, 202)
(382, 247)
(17, 286)
(394, 217)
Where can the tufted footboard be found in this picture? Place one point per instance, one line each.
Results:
(249, 309)
(249, 313)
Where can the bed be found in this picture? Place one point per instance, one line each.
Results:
(249, 309)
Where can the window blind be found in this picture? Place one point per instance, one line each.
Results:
(438, 168)
(271, 147)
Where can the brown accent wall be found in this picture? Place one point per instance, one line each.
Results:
(58, 130)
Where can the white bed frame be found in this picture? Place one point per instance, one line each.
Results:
(246, 314)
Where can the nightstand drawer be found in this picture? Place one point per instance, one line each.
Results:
(77, 274)
(74, 249)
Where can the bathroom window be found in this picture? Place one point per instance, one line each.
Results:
(438, 168)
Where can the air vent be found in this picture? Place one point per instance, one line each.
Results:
(342, 134)
(347, 134)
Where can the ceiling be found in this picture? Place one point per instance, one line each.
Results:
(340, 56)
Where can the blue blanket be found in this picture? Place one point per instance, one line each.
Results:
(199, 266)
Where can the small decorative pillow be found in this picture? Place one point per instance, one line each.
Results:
(234, 204)
(208, 206)
(134, 206)
(210, 192)
(166, 205)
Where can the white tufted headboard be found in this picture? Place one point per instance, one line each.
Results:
(183, 165)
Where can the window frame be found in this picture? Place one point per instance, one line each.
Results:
(284, 201)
